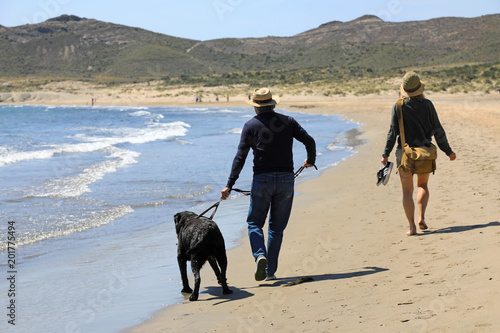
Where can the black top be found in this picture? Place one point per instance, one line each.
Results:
(421, 122)
(270, 135)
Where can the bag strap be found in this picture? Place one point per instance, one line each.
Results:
(399, 105)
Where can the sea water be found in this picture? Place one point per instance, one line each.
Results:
(89, 193)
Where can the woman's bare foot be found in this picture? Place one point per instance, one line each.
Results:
(412, 231)
(422, 225)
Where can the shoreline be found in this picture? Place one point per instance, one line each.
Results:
(366, 277)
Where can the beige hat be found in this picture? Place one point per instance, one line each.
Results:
(412, 86)
(263, 97)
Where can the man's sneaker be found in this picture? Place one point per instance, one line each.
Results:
(384, 173)
(271, 278)
(260, 271)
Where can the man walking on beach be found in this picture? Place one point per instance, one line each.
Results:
(270, 135)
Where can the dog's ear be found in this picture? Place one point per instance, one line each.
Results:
(180, 219)
(177, 218)
(178, 222)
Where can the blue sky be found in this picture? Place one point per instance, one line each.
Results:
(210, 19)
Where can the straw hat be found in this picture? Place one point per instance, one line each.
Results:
(412, 86)
(263, 97)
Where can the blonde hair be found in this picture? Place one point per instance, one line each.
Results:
(419, 97)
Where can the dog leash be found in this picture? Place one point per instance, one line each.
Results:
(241, 191)
(295, 175)
(215, 205)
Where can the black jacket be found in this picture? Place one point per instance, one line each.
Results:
(270, 135)
(420, 122)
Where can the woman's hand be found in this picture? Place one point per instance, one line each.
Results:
(384, 160)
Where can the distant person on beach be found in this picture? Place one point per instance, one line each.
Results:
(270, 135)
(421, 122)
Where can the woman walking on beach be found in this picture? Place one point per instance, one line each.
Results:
(421, 122)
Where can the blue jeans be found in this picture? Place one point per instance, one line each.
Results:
(271, 192)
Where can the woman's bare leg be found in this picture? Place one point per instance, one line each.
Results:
(422, 199)
(408, 204)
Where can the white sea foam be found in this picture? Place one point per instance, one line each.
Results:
(222, 111)
(74, 186)
(235, 131)
(92, 220)
(123, 107)
(195, 109)
(334, 146)
(153, 132)
(140, 113)
(182, 142)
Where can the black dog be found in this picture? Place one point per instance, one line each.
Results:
(200, 240)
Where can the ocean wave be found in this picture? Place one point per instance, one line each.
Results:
(149, 204)
(234, 131)
(140, 113)
(221, 111)
(204, 190)
(146, 114)
(74, 186)
(194, 109)
(182, 142)
(93, 220)
(153, 132)
(334, 146)
(122, 108)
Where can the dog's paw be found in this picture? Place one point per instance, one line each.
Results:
(187, 290)
(193, 297)
(227, 291)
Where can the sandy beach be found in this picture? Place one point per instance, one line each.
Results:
(349, 236)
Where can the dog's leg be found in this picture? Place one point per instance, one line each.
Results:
(222, 260)
(196, 266)
(183, 268)
(215, 267)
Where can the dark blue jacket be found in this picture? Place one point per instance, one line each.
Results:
(270, 135)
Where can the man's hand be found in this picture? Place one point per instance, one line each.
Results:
(307, 165)
(384, 160)
(452, 156)
(224, 194)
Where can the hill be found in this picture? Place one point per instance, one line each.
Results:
(72, 47)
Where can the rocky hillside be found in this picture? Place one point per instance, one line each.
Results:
(74, 47)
